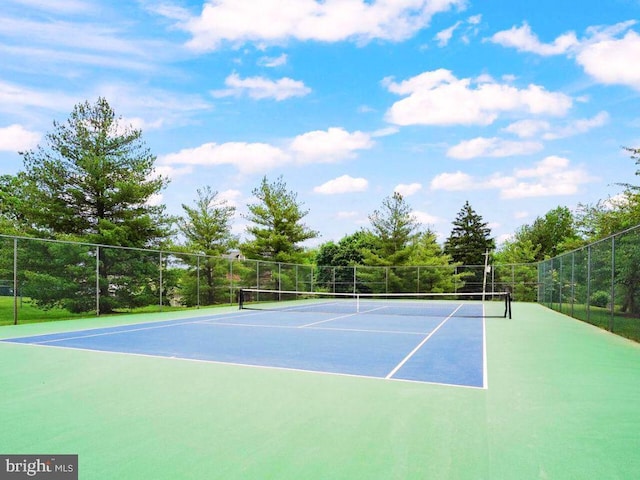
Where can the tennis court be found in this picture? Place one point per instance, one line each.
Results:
(400, 339)
(228, 393)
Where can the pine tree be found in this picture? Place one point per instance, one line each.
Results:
(92, 181)
(468, 243)
(277, 227)
(395, 227)
(207, 229)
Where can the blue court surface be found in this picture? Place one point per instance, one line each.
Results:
(445, 349)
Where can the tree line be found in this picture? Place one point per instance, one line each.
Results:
(93, 177)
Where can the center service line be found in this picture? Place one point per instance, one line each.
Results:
(406, 359)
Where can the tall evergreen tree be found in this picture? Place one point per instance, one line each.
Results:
(93, 179)
(468, 244)
(276, 224)
(207, 226)
(207, 229)
(395, 227)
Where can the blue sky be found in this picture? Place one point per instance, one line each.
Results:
(517, 107)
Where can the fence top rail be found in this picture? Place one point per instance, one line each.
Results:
(233, 259)
(595, 242)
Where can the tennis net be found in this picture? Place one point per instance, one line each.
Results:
(480, 304)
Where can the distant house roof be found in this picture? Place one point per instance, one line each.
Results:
(234, 255)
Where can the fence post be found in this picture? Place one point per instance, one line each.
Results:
(386, 280)
(198, 281)
(160, 276)
(15, 281)
(612, 302)
(560, 283)
(588, 299)
(97, 281)
(573, 282)
(231, 281)
(355, 276)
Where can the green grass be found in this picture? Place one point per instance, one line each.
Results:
(30, 313)
(624, 325)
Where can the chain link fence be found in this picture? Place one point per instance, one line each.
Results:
(598, 284)
(44, 279)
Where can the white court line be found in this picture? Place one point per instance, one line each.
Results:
(297, 327)
(117, 330)
(406, 359)
(328, 320)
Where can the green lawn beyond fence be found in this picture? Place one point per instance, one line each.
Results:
(599, 283)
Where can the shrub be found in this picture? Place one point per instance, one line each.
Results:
(600, 299)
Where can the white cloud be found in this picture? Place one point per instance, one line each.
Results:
(439, 98)
(453, 182)
(173, 12)
(16, 96)
(141, 124)
(66, 6)
(261, 87)
(544, 168)
(231, 196)
(601, 54)
(617, 201)
(276, 21)
(329, 146)
(578, 126)
(468, 28)
(385, 132)
(16, 138)
(608, 60)
(444, 36)
(272, 62)
(542, 128)
(528, 128)
(347, 214)
(425, 218)
(246, 157)
(552, 176)
(155, 200)
(408, 190)
(505, 237)
(524, 40)
(492, 147)
(172, 172)
(343, 184)
(475, 19)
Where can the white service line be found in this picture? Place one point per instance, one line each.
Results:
(118, 329)
(327, 320)
(413, 352)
